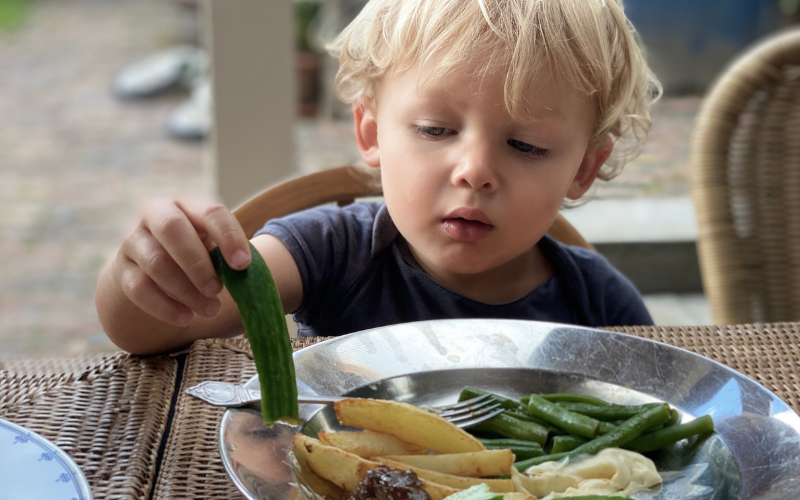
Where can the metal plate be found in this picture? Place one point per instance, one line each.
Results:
(755, 455)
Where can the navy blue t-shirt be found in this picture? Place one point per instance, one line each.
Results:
(358, 273)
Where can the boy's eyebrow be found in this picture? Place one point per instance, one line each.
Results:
(535, 110)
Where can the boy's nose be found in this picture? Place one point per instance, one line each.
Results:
(476, 170)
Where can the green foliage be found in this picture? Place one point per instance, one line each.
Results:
(13, 13)
(304, 12)
(790, 7)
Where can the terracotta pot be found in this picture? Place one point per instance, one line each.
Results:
(308, 86)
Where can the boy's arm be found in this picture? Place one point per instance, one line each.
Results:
(139, 331)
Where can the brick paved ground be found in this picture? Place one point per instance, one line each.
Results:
(75, 163)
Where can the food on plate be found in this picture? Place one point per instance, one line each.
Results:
(346, 470)
(458, 482)
(407, 422)
(471, 464)
(610, 471)
(256, 296)
(559, 465)
(308, 478)
(367, 444)
(667, 436)
(519, 447)
(385, 483)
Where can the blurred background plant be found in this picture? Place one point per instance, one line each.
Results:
(305, 12)
(13, 13)
(790, 7)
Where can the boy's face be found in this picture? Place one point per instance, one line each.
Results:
(468, 187)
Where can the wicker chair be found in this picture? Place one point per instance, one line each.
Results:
(745, 180)
(342, 185)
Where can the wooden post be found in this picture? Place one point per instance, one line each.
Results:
(251, 48)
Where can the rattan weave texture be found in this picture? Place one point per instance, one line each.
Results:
(109, 417)
(192, 466)
(745, 179)
(767, 353)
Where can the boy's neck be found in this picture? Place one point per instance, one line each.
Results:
(507, 283)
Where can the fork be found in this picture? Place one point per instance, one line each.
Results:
(463, 414)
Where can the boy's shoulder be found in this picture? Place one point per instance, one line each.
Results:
(594, 282)
(572, 258)
(363, 225)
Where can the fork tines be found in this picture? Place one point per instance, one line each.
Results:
(470, 412)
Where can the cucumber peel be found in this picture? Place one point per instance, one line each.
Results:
(259, 303)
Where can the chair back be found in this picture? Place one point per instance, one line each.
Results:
(342, 185)
(745, 180)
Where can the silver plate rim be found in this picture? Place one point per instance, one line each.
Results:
(545, 328)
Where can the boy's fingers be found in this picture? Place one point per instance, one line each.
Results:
(174, 230)
(223, 228)
(147, 296)
(160, 267)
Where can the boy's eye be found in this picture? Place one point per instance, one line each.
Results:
(524, 147)
(431, 131)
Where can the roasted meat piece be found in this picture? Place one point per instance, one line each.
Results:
(386, 483)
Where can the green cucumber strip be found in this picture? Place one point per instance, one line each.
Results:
(256, 296)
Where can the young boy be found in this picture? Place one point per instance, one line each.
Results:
(483, 116)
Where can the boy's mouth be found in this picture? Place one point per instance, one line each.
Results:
(466, 224)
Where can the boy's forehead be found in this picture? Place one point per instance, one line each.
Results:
(544, 97)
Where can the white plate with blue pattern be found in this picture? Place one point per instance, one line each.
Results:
(33, 468)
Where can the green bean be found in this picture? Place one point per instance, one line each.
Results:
(514, 408)
(529, 418)
(553, 457)
(504, 442)
(566, 396)
(574, 423)
(670, 435)
(514, 428)
(561, 444)
(521, 449)
(521, 452)
(674, 418)
(606, 427)
(626, 432)
(507, 403)
(605, 413)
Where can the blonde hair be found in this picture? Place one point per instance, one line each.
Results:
(587, 44)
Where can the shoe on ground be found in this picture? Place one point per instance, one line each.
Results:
(191, 119)
(177, 66)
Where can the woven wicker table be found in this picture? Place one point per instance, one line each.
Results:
(129, 425)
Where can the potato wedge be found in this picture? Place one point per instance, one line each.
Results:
(470, 464)
(437, 491)
(516, 495)
(341, 468)
(407, 422)
(308, 478)
(345, 470)
(368, 444)
(495, 485)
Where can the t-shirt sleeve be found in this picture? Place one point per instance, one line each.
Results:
(330, 245)
(615, 298)
(624, 304)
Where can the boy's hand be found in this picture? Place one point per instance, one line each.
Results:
(163, 266)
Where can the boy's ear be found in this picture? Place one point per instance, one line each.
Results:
(366, 125)
(594, 158)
